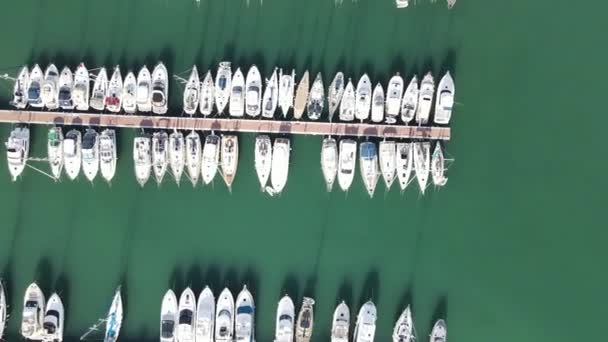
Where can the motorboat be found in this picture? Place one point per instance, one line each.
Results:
(425, 99)
(253, 97)
(107, 154)
(100, 88)
(33, 313)
(378, 104)
(82, 85)
(438, 166)
(329, 161)
(305, 322)
(335, 93)
(363, 98)
(301, 96)
(316, 99)
(114, 318)
(72, 153)
(54, 317)
(365, 329)
(340, 323)
(347, 105)
(193, 156)
(186, 316)
(445, 100)
(211, 158)
(207, 95)
(244, 322)
(404, 163)
(144, 90)
(409, 105)
(192, 92)
(177, 155)
(142, 158)
(237, 94)
(54, 149)
(422, 161)
(129, 94)
(224, 317)
(346, 163)
(205, 316)
(439, 333)
(20, 91)
(223, 86)
(270, 100)
(394, 94)
(90, 154)
(160, 89)
(285, 320)
(168, 317)
(114, 93)
(34, 87)
(387, 151)
(286, 89)
(2, 310)
(263, 159)
(17, 151)
(404, 327)
(229, 158)
(66, 87)
(402, 3)
(368, 163)
(280, 164)
(160, 155)
(50, 87)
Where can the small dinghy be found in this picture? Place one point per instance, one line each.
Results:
(315, 99)
(168, 317)
(347, 106)
(425, 99)
(2, 310)
(253, 98)
(263, 159)
(301, 96)
(160, 155)
(438, 166)
(186, 316)
(422, 161)
(20, 91)
(224, 317)
(409, 105)
(365, 329)
(223, 86)
(114, 318)
(363, 98)
(368, 163)
(17, 151)
(394, 94)
(192, 92)
(387, 154)
(205, 316)
(335, 93)
(114, 93)
(177, 155)
(53, 320)
(211, 158)
(280, 164)
(439, 333)
(34, 88)
(340, 323)
(160, 89)
(237, 95)
(50, 87)
(271, 96)
(82, 84)
(142, 158)
(54, 149)
(404, 327)
(329, 161)
(193, 156)
(107, 154)
(404, 163)
(207, 95)
(286, 88)
(347, 162)
(33, 313)
(230, 158)
(244, 322)
(144, 90)
(285, 320)
(305, 321)
(378, 104)
(90, 154)
(129, 94)
(100, 88)
(72, 153)
(445, 100)
(66, 86)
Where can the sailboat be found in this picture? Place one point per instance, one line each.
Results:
(211, 158)
(82, 85)
(205, 316)
(263, 159)
(409, 105)
(301, 96)
(168, 317)
(394, 94)
(365, 329)
(142, 158)
(114, 94)
(177, 155)
(285, 320)
(160, 89)
(335, 93)
(404, 327)
(305, 321)
(66, 86)
(237, 95)
(445, 100)
(207, 95)
(368, 163)
(20, 92)
(114, 318)
(271, 96)
(387, 154)
(53, 320)
(422, 161)
(34, 88)
(280, 164)
(329, 161)
(425, 99)
(346, 163)
(192, 92)
(129, 94)
(223, 86)
(253, 86)
(378, 104)
(33, 312)
(438, 166)
(90, 154)
(316, 98)
(230, 158)
(340, 323)
(244, 323)
(347, 106)
(439, 333)
(72, 153)
(160, 155)
(144, 90)
(363, 98)
(404, 163)
(193, 156)
(2, 310)
(286, 88)
(224, 317)
(100, 88)
(54, 149)
(17, 151)
(49, 87)
(107, 154)
(186, 316)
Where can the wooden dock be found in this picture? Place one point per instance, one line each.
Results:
(227, 124)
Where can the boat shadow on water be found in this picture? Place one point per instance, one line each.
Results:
(371, 288)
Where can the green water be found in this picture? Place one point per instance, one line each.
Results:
(511, 249)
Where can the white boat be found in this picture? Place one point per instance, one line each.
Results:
(142, 158)
(66, 86)
(207, 95)
(409, 105)
(186, 316)
(387, 151)
(439, 333)
(445, 100)
(347, 105)
(286, 88)
(253, 98)
(72, 153)
(114, 93)
(305, 322)
(229, 158)
(329, 161)
(144, 90)
(192, 92)
(368, 164)
(54, 149)
(107, 154)
(394, 94)
(50, 87)
(129, 94)
(365, 329)
(100, 88)
(33, 312)
(301, 96)
(378, 104)
(114, 318)
(160, 155)
(438, 166)
(404, 327)
(205, 316)
(34, 88)
(425, 99)
(2, 309)
(335, 93)
(316, 99)
(82, 85)
(285, 320)
(404, 163)
(363, 98)
(17, 151)
(340, 323)
(168, 317)
(347, 162)
(422, 161)
(90, 154)
(271, 96)
(193, 156)
(224, 317)
(54, 317)
(237, 94)
(402, 3)
(211, 158)
(177, 155)
(280, 164)
(20, 91)
(160, 89)
(223, 86)
(263, 159)
(244, 323)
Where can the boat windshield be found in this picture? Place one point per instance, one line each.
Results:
(185, 317)
(244, 310)
(285, 318)
(31, 304)
(65, 94)
(167, 327)
(49, 327)
(158, 97)
(33, 93)
(222, 82)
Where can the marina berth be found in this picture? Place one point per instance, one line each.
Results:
(445, 100)
(368, 163)
(72, 153)
(113, 100)
(207, 95)
(32, 317)
(286, 89)
(186, 316)
(90, 154)
(439, 333)
(316, 99)
(305, 322)
(340, 323)
(378, 105)
(168, 317)
(193, 156)
(263, 159)
(280, 164)
(17, 151)
(177, 155)
(2, 310)
(394, 95)
(404, 327)
(253, 97)
(335, 93)
(244, 323)
(49, 87)
(223, 86)
(347, 106)
(422, 163)
(160, 89)
(66, 86)
(54, 316)
(210, 158)
(100, 88)
(160, 155)
(144, 90)
(237, 94)
(192, 92)
(114, 318)
(34, 87)
(82, 85)
(409, 105)
(129, 94)
(20, 89)
(404, 163)
(347, 162)
(425, 99)
(329, 161)
(387, 155)
(229, 158)
(107, 154)
(365, 328)
(205, 316)
(54, 148)
(224, 317)
(285, 320)
(142, 158)
(301, 96)
(363, 98)
(270, 100)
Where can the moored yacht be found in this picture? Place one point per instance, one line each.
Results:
(160, 89)
(177, 155)
(211, 158)
(340, 323)
(193, 156)
(129, 94)
(114, 318)
(160, 155)
(409, 105)
(404, 327)
(114, 94)
(34, 87)
(142, 158)
(223, 86)
(50, 87)
(335, 93)
(237, 94)
(329, 161)
(17, 151)
(394, 94)
(271, 96)
(192, 92)
(54, 317)
(316, 99)
(2, 309)
(144, 90)
(263, 159)
(54, 149)
(33, 312)
(445, 99)
(107, 154)
(285, 320)
(82, 86)
(305, 322)
(346, 163)
(422, 161)
(280, 164)
(186, 316)
(378, 104)
(244, 322)
(90, 154)
(368, 163)
(205, 316)
(72, 153)
(365, 329)
(439, 333)
(438, 166)
(168, 317)
(425, 99)
(20, 91)
(66, 87)
(347, 106)
(404, 163)
(207, 95)
(387, 155)
(224, 317)
(286, 89)
(100, 88)
(301, 96)
(363, 98)
(253, 98)
(230, 158)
